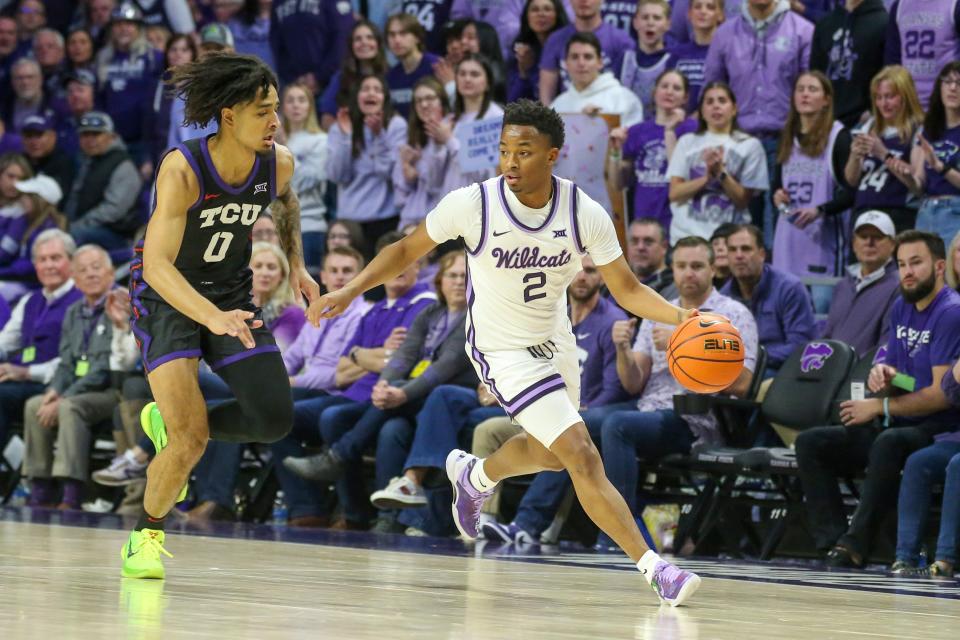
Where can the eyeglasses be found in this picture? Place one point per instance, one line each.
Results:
(339, 236)
(426, 99)
(952, 81)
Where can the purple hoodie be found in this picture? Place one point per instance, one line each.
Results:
(761, 63)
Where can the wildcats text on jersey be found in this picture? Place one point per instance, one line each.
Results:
(528, 258)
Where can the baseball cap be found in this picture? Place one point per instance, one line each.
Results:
(95, 121)
(36, 124)
(877, 219)
(216, 33)
(126, 12)
(83, 76)
(42, 185)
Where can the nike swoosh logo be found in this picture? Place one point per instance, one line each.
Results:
(501, 233)
(583, 336)
(129, 550)
(210, 196)
(706, 324)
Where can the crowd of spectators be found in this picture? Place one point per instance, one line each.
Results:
(794, 165)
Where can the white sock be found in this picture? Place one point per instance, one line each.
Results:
(479, 479)
(647, 564)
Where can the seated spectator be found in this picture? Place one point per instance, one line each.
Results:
(614, 43)
(264, 229)
(647, 253)
(418, 176)
(14, 168)
(365, 56)
(81, 100)
(31, 17)
(96, 19)
(848, 47)
(41, 147)
(432, 354)
(473, 101)
(250, 27)
(308, 144)
(643, 65)
(11, 49)
(101, 207)
(689, 57)
(345, 233)
(779, 302)
(80, 50)
(78, 396)
(28, 98)
(716, 171)
(406, 40)
(639, 155)
(362, 149)
(808, 240)
(50, 54)
(938, 463)
(879, 164)
(721, 261)
(540, 19)
(379, 334)
(504, 17)
(39, 198)
(591, 92)
(480, 38)
(862, 300)
(924, 341)
(922, 37)
(272, 293)
(936, 156)
(30, 340)
(128, 69)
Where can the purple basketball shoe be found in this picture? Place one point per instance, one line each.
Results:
(673, 584)
(466, 499)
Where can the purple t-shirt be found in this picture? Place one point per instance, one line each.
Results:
(878, 188)
(599, 383)
(432, 14)
(401, 83)
(613, 43)
(645, 147)
(947, 149)
(375, 328)
(689, 58)
(619, 14)
(921, 340)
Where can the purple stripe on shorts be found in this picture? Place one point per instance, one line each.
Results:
(173, 355)
(483, 223)
(513, 218)
(205, 150)
(546, 385)
(266, 348)
(542, 381)
(574, 203)
(526, 403)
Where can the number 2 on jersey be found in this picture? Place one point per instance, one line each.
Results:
(536, 280)
(217, 248)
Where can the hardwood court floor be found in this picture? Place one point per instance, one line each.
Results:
(63, 582)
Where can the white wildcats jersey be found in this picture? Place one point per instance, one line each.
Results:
(520, 261)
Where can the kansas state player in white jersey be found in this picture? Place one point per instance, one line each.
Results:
(524, 234)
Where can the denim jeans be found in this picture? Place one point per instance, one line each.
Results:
(934, 464)
(940, 216)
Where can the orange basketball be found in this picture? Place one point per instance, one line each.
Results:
(705, 353)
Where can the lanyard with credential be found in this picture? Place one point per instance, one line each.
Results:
(83, 364)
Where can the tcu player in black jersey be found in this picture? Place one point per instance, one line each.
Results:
(191, 290)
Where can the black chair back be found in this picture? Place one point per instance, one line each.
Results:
(859, 373)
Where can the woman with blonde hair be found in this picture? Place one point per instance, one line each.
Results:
(879, 165)
(14, 169)
(809, 236)
(272, 293)
(308, 143)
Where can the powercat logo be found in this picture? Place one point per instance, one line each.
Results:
(814, 356)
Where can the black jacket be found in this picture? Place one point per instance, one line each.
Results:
(848, 47)
(60, 166)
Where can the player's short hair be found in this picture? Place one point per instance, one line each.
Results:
(587, 38)
(388, 238)
(933, 241)
(691, 242)
(527, 113)
(217, 81)
(753, 230)
(409, 23)
(346, 252)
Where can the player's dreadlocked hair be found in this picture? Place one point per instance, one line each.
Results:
(527, 113)
(218, 81)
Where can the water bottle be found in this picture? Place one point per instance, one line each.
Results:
(280, 512)
(20, 495)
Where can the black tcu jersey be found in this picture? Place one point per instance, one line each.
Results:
(214, 257)
(215, 250)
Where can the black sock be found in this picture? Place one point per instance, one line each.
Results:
(147, 521)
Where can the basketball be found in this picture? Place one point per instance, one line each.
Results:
(705, 353)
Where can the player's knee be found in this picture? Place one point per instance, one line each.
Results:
(551, 462)
(188, 446)
(579, 455)
(272, 420)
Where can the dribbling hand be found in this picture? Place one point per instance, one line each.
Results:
(329, 305)
(235, 323)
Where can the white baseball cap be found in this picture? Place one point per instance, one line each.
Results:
(877, 219)
(42, 185)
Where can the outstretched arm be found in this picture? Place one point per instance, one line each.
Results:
(638, 298)
(286, 216)
(389, 263)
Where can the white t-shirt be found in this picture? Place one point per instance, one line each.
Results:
(745, 161)
(521, 260)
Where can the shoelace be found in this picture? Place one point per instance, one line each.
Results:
(152, 545)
